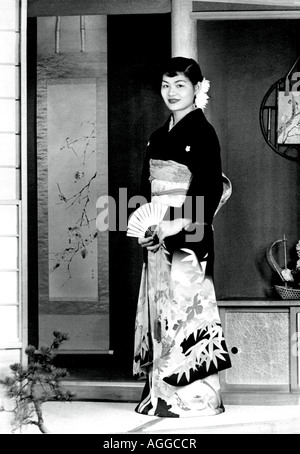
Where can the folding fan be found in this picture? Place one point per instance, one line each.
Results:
(144, 220)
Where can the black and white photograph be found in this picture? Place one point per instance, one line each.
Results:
(149, 219)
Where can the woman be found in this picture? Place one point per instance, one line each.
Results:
(179, 343)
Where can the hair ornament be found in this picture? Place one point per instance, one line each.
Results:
(201, 98)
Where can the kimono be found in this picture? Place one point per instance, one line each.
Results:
(179, 341)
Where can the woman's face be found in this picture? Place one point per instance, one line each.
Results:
(178, 92)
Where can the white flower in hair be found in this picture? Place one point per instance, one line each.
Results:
(202, 97)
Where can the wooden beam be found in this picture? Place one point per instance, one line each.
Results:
(184, 30)
(245, 15)
(23, 315)
(267, 303)
(206, 6)
(41, 8)
(283, 3)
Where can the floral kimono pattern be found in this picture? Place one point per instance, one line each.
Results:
(179, 342)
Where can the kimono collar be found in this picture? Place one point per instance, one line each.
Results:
(195, 115)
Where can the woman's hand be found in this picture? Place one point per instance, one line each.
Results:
(163, 230)
(150, 243)
(169, 228)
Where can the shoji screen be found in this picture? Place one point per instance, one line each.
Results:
(12, 177)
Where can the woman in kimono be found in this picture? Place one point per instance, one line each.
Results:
(179, 342)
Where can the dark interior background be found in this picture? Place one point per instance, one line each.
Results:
(137, 46)
(243, 59)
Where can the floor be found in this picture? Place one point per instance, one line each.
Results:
(111, 418)
(107, 408)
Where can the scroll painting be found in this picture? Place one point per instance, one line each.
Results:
(72, 191)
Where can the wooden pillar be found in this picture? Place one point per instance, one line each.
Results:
(184, 30)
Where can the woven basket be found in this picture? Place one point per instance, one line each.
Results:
(285, 292)
(288, 293)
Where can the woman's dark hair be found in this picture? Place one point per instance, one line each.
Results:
(187, 66)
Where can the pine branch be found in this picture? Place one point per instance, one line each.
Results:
(39, 383)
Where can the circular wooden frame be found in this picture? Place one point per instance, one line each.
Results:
(269, 122)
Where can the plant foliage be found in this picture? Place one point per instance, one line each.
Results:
(39, 382)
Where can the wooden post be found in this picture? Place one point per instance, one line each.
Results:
(184, 30)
